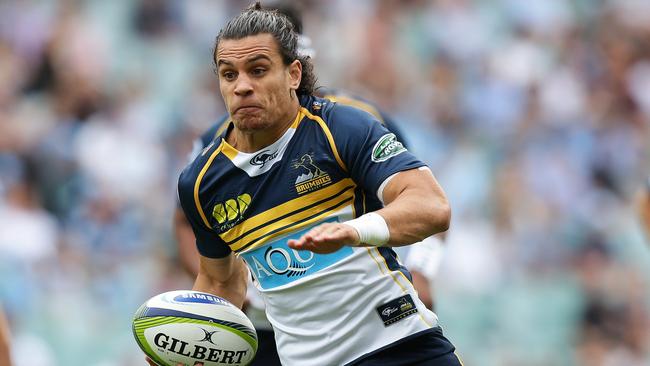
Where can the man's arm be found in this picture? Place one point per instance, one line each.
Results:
(224, 277)
(5, 349)
(416, 207)
(644, 208)
(186, 243)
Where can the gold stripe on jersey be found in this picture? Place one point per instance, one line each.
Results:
(229, 151)
(288, 210)
(328, 133)
(372, 252)
(298, 119)
(294, 223)
(284, 209)
(356, 103)
(197, 184)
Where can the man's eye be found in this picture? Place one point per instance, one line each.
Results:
(258, 71)
(229, 75)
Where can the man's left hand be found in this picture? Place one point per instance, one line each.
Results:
(326, 238)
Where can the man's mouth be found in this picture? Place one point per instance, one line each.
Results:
(247, 108)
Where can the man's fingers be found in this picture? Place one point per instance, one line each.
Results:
(325, 238)
(330, 233)
(317, 231)
(308, 238)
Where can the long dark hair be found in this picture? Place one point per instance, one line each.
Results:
(256, 20)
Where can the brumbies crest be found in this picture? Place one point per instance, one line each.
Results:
(386, 148)
(311, 177)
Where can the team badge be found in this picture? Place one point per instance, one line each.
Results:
(311, 177)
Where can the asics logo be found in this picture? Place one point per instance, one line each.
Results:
(263, 157)
(388, 311)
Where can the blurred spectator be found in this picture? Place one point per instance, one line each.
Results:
(644, 208)
(28, 233)
(614, 321)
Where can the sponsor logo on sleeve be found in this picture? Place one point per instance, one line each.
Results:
(386, 148)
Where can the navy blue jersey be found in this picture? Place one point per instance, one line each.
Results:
(327, 167)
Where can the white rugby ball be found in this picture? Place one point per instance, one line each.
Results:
(188, 327)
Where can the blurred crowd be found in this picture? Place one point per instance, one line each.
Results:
(534, 115)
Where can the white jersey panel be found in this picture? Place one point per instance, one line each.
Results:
(325, 312)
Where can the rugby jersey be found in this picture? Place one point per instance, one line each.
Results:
(328, 166)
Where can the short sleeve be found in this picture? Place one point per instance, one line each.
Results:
(208, 241)
(370, 152)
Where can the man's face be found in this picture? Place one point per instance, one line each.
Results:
(255, 84)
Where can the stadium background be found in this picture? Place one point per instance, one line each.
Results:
(534, 115)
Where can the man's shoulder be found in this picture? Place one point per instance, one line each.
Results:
(342, 97)
(346, 116)
(198, 167)
(337, 116)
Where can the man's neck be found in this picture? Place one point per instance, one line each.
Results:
(249, 142)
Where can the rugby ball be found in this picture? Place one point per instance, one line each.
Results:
(190, 327)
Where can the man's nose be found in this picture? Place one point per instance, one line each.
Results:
(244, 86)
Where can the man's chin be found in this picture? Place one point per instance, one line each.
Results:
(249, 123)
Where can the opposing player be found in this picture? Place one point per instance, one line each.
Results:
(311, 194)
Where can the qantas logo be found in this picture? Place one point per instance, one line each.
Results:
(275, 264)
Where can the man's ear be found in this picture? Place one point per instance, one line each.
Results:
(295, 74)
